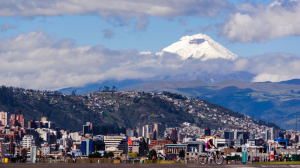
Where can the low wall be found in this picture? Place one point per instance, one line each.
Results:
(84, 160)
(94, 160)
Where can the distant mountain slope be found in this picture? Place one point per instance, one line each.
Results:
(261, 100)
(292, 82)
(103, 108)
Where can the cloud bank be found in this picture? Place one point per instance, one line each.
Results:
(115, 11)
(39, 61)
(260, 23)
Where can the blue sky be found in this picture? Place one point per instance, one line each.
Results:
(72, 29)
(159, 33)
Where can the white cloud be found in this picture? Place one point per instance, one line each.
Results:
(36, 59)
(274, 67)
(145, 52)
(5, 27)
(120, 10)
(261, 23)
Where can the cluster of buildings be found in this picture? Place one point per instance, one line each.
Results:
(43, 139)
(39, 139)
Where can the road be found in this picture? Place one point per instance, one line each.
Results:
(40, 165)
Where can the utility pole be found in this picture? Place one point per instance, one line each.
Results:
(296, 135)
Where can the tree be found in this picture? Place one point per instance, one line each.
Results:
(110, 154)
(151, 154)
(112, 91)
(100, 89)
(182, 154)
(95, 155)
(105, 155)
(106, 89)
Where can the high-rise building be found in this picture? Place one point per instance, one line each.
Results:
(3, 118)
(115, 143)
(147, 129)
(45, 123)
(7, 148)
(207, 132)
(31, 124)
(237, 134)
(28, 141)
(130, 132)
(33, 152)
(174, 135)
(87, 146)
(156, 130)
(88, 128)
(44, 119)
(17, 120)
(228, 135)
(281, 135)
(139, 131)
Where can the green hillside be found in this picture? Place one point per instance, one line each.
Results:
(102, 108)
(261, 100)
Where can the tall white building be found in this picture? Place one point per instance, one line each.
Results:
(44, 134)
(113, 143)
(3, 118)
(147, 129)
(28, 141)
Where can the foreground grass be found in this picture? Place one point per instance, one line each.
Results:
(164, 162)
(279, 163)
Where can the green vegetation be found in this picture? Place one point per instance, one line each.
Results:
(95, 155)
(182, 154)
(280, 163)
(110, 112)
(108, 129)
(262, 105)
(151, 154)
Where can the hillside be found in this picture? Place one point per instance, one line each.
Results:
(264, 100)
(123, 109)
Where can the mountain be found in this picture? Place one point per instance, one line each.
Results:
(263, 101)
(94, 87)
(199, 46)
(292, 82)
(120, 109)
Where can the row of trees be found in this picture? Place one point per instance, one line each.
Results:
(106, 89)
(108, 129)
(174, 95)
(105, 155)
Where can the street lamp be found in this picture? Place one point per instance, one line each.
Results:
(295, 135)
(275, 126)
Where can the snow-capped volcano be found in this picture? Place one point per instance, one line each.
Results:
(199, 46)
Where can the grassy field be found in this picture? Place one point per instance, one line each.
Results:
(283, 163)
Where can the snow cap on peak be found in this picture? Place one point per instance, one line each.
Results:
(196, 36)
(199, 46)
